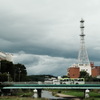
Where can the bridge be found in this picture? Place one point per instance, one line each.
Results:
(40, 87)
(51, 86)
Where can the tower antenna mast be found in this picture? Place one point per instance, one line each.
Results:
(83, 56)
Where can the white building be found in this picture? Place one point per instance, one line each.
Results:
(85, 67)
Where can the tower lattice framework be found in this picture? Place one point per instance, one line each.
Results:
(83, 55)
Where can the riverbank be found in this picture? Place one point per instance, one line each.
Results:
(29, 98)
(63, 95)
(71, 97)
(54, 95)
(20, 98)
(68, 96)
(79, 94)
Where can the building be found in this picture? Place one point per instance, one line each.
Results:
(96, 71)
(5, 56)
(85, 67)
(83, 60)
(73, 72)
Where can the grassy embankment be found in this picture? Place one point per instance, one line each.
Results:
(27, 95)
(21, 95)
(80, 93)
(94, 94)
(20, 98)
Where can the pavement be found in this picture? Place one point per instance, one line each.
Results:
(63, 95)
(68, 96)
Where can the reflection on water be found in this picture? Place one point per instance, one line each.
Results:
(47, 94)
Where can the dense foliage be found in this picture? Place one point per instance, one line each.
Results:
(39, 77)
(12, 72)
(87, 77)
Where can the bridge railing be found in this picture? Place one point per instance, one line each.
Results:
(92, 82)
(40, 82)
(34, 82)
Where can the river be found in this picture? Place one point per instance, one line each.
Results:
(47, 94)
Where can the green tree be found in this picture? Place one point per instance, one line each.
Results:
(20, 73)
(17, 72)
(4, 77)
(65, 76)
(6, 67)
(85, 75)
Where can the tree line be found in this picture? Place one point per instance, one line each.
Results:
(18, 73)
(12, 72)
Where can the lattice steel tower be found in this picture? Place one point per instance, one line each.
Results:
(83, 56)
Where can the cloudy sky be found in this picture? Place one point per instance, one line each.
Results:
(44, 34)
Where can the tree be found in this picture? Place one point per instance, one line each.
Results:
(7, 67)
(20, 73)
(65, 76)
(17, 72)
(86, 76)
(83, 74)
(4, 77)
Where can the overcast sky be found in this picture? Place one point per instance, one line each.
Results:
(44, 34)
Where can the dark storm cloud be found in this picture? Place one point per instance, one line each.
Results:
(48, 28)
(94, 55)
(43, 64)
